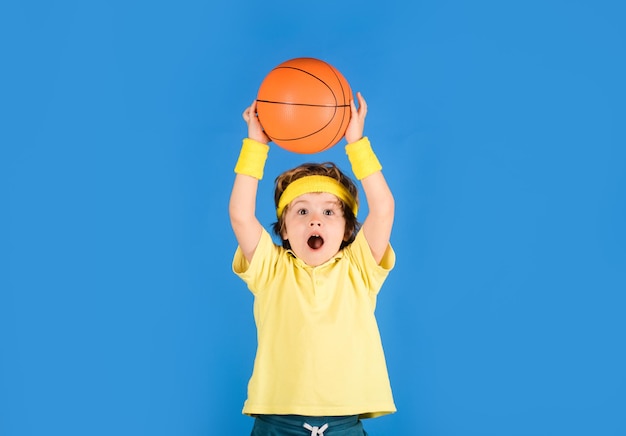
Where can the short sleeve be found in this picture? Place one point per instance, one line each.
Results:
(261, 268)
(372, 274)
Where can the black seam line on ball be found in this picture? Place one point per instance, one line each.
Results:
(304, 104)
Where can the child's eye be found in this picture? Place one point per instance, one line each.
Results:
(329, 212)
(302, 211)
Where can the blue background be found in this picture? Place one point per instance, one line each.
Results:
(501, 129)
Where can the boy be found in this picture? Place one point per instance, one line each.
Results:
(320, 365)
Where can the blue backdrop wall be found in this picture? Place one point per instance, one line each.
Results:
(500, 126)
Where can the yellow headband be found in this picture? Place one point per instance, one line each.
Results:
(307, 184)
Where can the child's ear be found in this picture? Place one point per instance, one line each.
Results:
(347, 234)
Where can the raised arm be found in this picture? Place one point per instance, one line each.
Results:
(379, 221)
(249, 169)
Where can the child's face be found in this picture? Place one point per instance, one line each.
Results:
(315, 227)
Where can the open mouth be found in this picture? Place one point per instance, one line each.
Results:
(315, 242)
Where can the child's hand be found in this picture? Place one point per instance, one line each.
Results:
(354, 132)
(255, 130)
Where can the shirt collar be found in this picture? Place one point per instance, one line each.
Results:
(300, 262)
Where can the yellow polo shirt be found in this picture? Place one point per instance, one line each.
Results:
(319, 351)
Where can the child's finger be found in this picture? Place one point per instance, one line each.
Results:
(362, 103)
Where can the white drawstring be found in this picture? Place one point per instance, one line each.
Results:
(316, 431)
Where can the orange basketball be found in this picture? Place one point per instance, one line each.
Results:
(303, 105)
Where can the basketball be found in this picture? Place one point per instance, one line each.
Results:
(303, 105)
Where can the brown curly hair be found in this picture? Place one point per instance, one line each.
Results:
(328, 169)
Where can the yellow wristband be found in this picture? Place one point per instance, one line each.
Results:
(252, 158)
(364, 161)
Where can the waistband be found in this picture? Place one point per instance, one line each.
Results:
(288, 421)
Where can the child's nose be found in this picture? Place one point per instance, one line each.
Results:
(315, 220)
